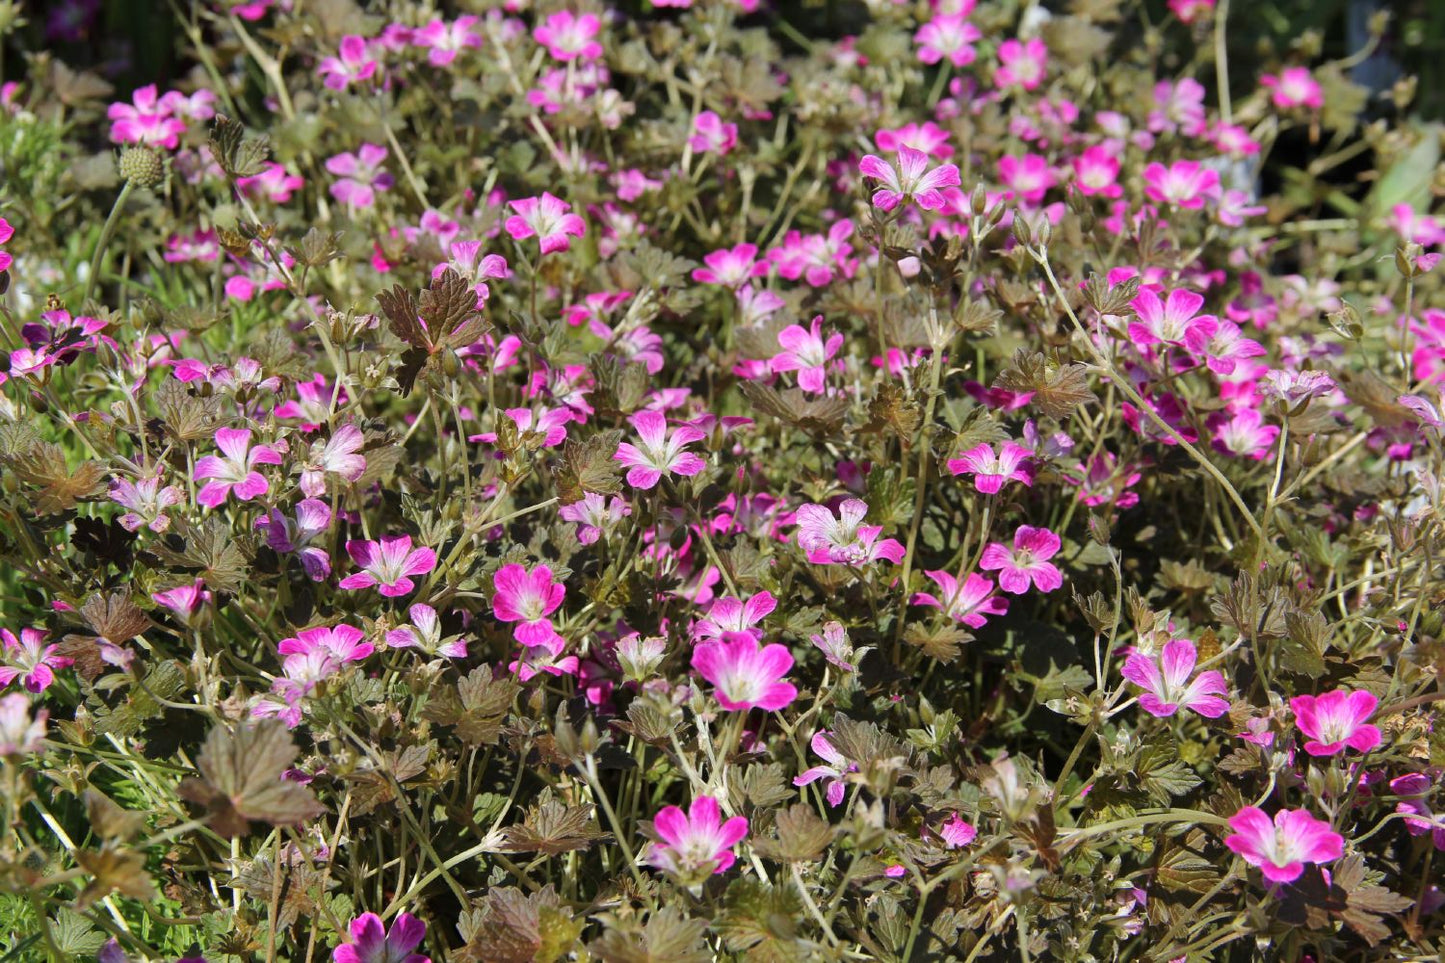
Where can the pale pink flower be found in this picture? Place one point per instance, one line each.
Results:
(388, 564)
(595, 515)
(1224, 348)
(286, 535)
(529, 598)
(991, 470)
(956, 833)
(146, 502)
(1293, 387)
(235, 468)
(1022, 64)
(1294, 87)
(1175, 321)
(1242, 433)
(569, 36)
(1026, 562)
(21, 735)
(696, 844)
(548, 218)
(337, 455)
(843, 539)
(712, 134)
(445, 40)
(1335, 721)
(1281, 847)
(806, 352)
(658, 454)
(947, 36)
(1189, 11)
(837, 648)
(731, 266)
(911, 181)
(425, 633)
(733, 615)
(969, 603)
(352, 65)
(361, 176)
(372, 943)
(835, 769)
(1167, 686)
(29, 659)
(744, 675)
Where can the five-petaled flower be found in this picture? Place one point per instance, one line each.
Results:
(1027, 562)
(1335, 721)
(991, 470)
(548, 218)
(843, 539)
(29, 659)
(1280, 848)
(970, 603)
(1167, 686)
(529, 598)
(234, 470)
(696, 844)
(371, 942)
(745, 676)
(388, 564)
(659, 454)
(806, 352)
(912, 180)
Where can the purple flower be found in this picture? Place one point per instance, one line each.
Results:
(730, 614)
(713, 134)
(235, 468)
(595, 515)
(1281, 848)
(835, 769)
(1167, 686)
(1336, 721)
(353, 64)
(30, 660)
(388, 564)
(285, 535)
(371, 943)
(1419, 817)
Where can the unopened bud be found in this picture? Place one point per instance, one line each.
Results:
(142, 166)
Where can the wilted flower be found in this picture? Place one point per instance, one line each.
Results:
(285, 535)
(425, 633)
(835, 769)
(20, 734)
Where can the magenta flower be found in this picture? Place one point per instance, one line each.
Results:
(969, 603)
(911, 181)
(146, 120)
(286, 535)
(1185, 183)
(1096, 171)
(371, 943)
(990, 471)
(1419, 817)
(388, 564)
(745, 676)
(710, 133)
(956, 833)
(730, 615)
(20, 735)
(568, 36)
(1025, 563)
(361, 176)
(344, 643)
(806, 352)
(30, 660)
(338, 455)
(1294, 87)
(529, 598)
(1243, 434)
(843, 539)
(445, 40)
(1282, 847)
(947, 36)
(352, 65)
(1223, 348)
(1022, 64)
(548, 218)
(273, 184)
(1175, 321)
(1335, 721)
(731, 266)
(659, 454)
(697, 844)
(146, 500)
(1029, 177)
(235, 468)
(1167, 686)
(184, 601)
(835, 769)
(6, 233)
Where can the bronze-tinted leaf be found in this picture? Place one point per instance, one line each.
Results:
(242, 778)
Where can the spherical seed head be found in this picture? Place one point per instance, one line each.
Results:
(142, 166)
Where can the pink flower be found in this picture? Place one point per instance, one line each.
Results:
(353, 64)
(843, 539)
(1185, 183)
(371, 943)
(1419, 817)
(30, 660)
(968, 603)
(947, 36)
(425, 633)
(235, 468)
(711, 134)
(1175, 321)
(816, 258)
(446, 40)
(184, 601)
(568, 36)
(595, 515)
(1022, 64)
(529, 598)
(361, 176)
(1029, 177)
(805, 352)
(956, 833)
(911, 181)
(146, 500)
(745, 676)
(1224, 348)
(388, 564)
(1096, 171)
(19, 734)
(835, 769)
(927, 137)
(836, 647)
(273, 184)
(697, 844)
(1243, 433)
(548, 218)
(658, 454)
(731, 266)
(1166, 684)
(990, 471)
(344, 643)
(285, 535)
(336, 455)
(1336, 720)
(1282, 847)
(1294, 87)
(730, 615)
(1293, 387)
(146, 120)
(1188, 11)
(1025, 563)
